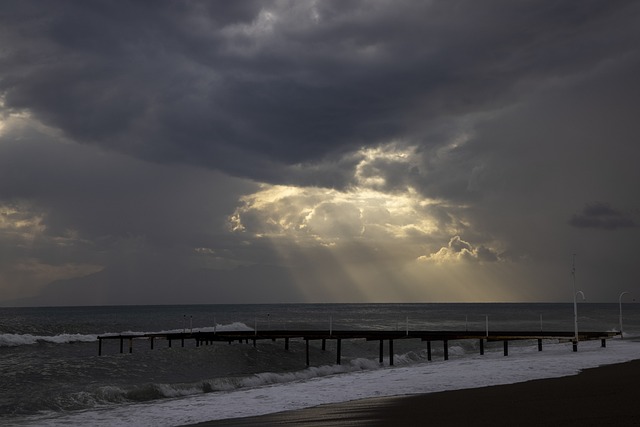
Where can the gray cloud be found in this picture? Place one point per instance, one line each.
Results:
(68, 211)
(601, 215)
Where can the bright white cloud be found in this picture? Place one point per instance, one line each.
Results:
(460, 250)
(317, 214)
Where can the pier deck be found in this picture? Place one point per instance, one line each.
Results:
(205, 338)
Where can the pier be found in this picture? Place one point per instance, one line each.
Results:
(207, 338)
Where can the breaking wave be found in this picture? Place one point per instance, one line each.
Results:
(14, 340)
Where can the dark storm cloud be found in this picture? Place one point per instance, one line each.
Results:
(601, 215)
(226, 85)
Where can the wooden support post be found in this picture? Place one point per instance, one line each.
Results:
(130, 345)
(481, 347)
(286, 343)
(539, 344)
(446, 349)
(121, 345)
(254, 342)
(575, 346)
(381, 359)
(324, 344)
(506, 347)
(151, 341)
(603, 342)
(390, 352)
(169, 342)
(338, 351)
(306, 341)
(429, 351)
(182, 339)
(99, 346)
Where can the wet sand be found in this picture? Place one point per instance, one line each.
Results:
(605, 396)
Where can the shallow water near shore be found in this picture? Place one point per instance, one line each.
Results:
(52, 374)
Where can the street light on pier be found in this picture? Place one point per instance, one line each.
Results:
(620, 303)
(575, 304)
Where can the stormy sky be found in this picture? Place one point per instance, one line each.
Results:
(159, 152)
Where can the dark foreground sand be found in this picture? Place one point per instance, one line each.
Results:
(605, 396)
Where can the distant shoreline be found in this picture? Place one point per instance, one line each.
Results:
(603, 396)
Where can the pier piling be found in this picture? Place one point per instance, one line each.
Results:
(369, 335)
(306, 342)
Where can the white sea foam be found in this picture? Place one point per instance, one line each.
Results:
(13, 340)
(524, 363)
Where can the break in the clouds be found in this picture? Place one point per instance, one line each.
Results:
(158, 152)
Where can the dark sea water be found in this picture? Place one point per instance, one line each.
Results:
(49, 363)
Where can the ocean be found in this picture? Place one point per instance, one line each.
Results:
(51, 373)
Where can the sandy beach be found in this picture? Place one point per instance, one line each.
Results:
(604, 396)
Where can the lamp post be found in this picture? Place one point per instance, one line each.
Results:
(620, 303)
(575, 316)
(575, 304)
